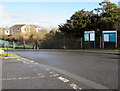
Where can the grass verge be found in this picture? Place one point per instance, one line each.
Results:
(5, 48)
(7, 55)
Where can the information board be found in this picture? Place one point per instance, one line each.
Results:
(89, 36)
(109, 36)
(92, 37)
(106, 37)
(86, 36)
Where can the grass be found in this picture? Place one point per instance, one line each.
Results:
(8, 55)
(5, 48)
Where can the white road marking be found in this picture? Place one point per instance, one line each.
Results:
(28, 77)
(63, 79)
(24, 62)
(24, 77)
(51, 72)
(36, 63)
(80, 88)
(18, 59)
(32, 61)
(76, 77)
(74, 86)
(20, 78)
(56, 75)
(24, 58)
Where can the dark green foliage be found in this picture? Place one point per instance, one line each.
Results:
(77, 24)
(60, 41)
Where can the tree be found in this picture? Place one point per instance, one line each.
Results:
(77, 24)
(117, 27)
(109, 14)
(37, 37)
(21, 37)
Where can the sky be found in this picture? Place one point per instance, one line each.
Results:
(46, 14)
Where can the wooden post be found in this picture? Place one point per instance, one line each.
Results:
(100, 42)
(81, 43)
(116, 41)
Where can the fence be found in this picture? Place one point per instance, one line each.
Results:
(107, 39)
(63, 43)
(13, 44)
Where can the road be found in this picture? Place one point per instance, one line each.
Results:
(86, 70)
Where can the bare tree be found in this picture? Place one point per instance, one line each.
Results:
(24, 37)
(37, 37)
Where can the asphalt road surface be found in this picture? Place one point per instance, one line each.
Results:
(61, 69)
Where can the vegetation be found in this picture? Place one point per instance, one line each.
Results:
(32, 37)
(71, 34)
(8, 55)
(5, 48)
(4, 54)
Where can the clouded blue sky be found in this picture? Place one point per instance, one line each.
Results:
(45, 14)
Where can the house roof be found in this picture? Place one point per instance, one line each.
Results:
(36, 26)
(18, 25)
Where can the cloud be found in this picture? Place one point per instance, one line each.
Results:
(10, 18)
(4, 16)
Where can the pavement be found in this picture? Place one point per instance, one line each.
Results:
(23, 73)
(117, 52)
(107, 51)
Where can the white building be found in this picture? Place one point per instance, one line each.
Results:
(6, 31)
